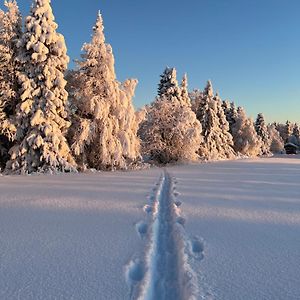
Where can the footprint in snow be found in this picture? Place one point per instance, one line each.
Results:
(177, 203)
(197, 247)
(134, 271)
(147, 209)
(180, 220)
(141, 228)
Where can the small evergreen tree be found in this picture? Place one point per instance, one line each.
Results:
(42, 114)
(104, 131)
(287, 131)
(10, 32)
(230, 112)
(184, 91)
(168, 85)
(262, 132)
(295, 136)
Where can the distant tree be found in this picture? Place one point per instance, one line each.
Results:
(295, 136)
(217, 141)
(10, 32)
(281, 129)
(42, 114)
(104, 131)
(262, 132)
(244, 134)
(184, 91)
(168, 85)
(170, 131)
(196, 97)
(276, 142)
(288, 131)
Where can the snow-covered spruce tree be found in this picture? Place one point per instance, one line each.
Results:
(104, 131)
(276, 142)
(225, 137)
(246, 140)
(170, 131)
(230, 112)
(287, 131)
(10, 32)
(168, 84)
(262, 132)
(184, 91)
(217, 142)
(42, 114)
(196, 97)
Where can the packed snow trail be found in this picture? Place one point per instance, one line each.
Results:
(168, 273)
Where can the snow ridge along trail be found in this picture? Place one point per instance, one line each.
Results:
(168, 274)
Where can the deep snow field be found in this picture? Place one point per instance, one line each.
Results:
(222, 230)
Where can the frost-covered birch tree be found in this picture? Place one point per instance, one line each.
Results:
(246, 140)
(42, 114)
(10, 32)
(104, 133)
(276, 142)
(170, 131)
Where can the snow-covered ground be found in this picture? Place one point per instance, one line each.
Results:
(223, 230)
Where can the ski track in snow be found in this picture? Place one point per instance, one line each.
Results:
(164, 273)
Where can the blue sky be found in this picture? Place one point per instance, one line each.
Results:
(250, 49)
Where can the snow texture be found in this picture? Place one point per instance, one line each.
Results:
(223, 230)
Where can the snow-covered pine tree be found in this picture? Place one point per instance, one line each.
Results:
(217, 143)
(246, 140)
(104, 133)
(170, 131)
(42, 114)
(262, 132)
(276, 142)
(10, 32)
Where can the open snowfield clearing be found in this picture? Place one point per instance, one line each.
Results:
(223, 230)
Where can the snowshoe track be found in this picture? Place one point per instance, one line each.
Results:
(164, 272)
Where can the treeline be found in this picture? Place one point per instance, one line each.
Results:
(55, 120)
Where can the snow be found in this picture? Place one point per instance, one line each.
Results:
(70, 236)
(248, 214)
(233, 227)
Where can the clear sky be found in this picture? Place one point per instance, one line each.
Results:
(250, 49)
